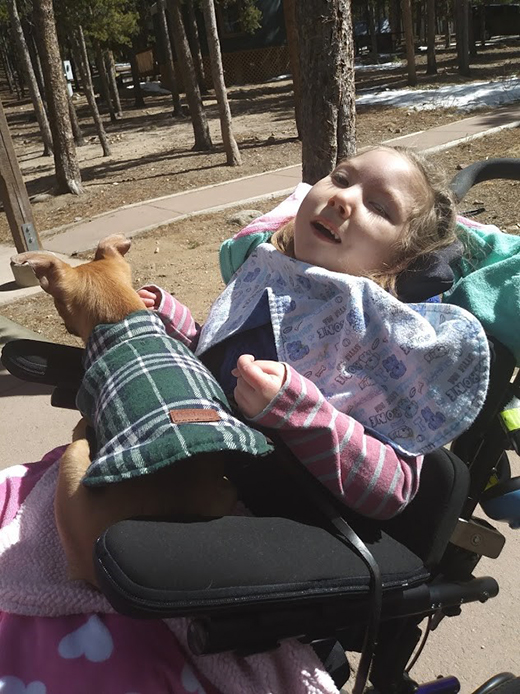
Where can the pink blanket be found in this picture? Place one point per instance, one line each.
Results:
(59, 636)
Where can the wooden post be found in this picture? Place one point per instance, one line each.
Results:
(13, 194)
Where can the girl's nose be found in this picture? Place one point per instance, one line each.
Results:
(342, 202)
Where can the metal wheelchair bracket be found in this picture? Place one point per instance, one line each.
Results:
(30, 237)
(479, 537)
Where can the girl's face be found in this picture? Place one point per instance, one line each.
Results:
(351, 220)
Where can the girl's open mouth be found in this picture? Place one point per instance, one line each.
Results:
(326, 232)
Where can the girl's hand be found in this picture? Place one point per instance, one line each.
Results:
(149, 299)
(257, 383)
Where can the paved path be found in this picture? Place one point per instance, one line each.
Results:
(143, 216)
(475, 646)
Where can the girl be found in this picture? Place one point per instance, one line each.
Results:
(374, 216)
(378, 215)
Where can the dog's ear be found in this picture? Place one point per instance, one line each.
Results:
(117, 244)
(47, 267)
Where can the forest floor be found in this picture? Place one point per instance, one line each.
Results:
(151, 157)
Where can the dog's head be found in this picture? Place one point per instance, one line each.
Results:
(97, 292)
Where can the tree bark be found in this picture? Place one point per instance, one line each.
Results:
(406, 10)
(105, 91)
(76, 129)
(327, 82)
(80, 49)
(8, 68)
(372, 30)
(447, 33)
(217, 73)
(112, 82)
(431, 62)
(32, 84)
(168, 55)
(68, 175)
(289, 10)
(193, 96)
(462, 27)
(138, 92)
(37, 66)
(194, 44)
(394, 11)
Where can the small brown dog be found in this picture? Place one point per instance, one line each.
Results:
(100, 292)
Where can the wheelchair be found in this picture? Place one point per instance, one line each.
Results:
(303, 566)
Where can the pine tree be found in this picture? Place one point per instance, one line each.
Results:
(328, 124)
(198, 117)
(68, 175)
(30, 76)
(217, 72)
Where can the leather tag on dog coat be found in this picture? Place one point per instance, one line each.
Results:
(194, 415)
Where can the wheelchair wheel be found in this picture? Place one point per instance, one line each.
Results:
(503, 683)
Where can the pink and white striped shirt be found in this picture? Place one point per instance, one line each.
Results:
(366, 474)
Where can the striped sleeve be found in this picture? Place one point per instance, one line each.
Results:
(176, 317)
(366, 474)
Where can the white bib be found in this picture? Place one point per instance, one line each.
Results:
(414, 374)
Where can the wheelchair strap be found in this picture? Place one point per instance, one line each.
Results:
(328, 507)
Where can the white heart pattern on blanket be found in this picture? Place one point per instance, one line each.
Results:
(14, 685)
(92, 640)
(190, 681)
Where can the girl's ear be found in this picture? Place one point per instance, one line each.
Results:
(47, 267)
(115, 245)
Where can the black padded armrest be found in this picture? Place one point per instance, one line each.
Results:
(150, 568)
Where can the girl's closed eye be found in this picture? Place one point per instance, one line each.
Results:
(379, 209)
(340, 178)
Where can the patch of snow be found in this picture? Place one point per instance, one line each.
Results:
(150, 88)
(464, 97)
(393, 65)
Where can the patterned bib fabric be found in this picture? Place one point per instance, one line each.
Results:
(414, 374)
(153, 403)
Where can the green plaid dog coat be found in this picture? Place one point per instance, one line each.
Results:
(152, 402)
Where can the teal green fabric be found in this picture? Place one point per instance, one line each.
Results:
(233, 252)
(487, 282)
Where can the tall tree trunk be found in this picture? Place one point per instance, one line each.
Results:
(105, 91)
(372, 30)
(193, 96)
(194, 44)
(136, 81)
(32, 85)
(76, 128)
(112, 82)
(68, 175)
(327, 81)
(8, 68)
(168, 57)
(471, 30)
(406, 11)
(395, 21)
(447, 18)
(289, 10)
(462, 27)
(80, 49)
(35, 58)
(217, 73)
(431, 67)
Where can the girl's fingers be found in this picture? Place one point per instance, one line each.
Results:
(259, 373)
(147, 297)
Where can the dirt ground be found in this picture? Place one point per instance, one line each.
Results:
(152, 157)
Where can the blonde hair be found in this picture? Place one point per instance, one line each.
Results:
(431, 226)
